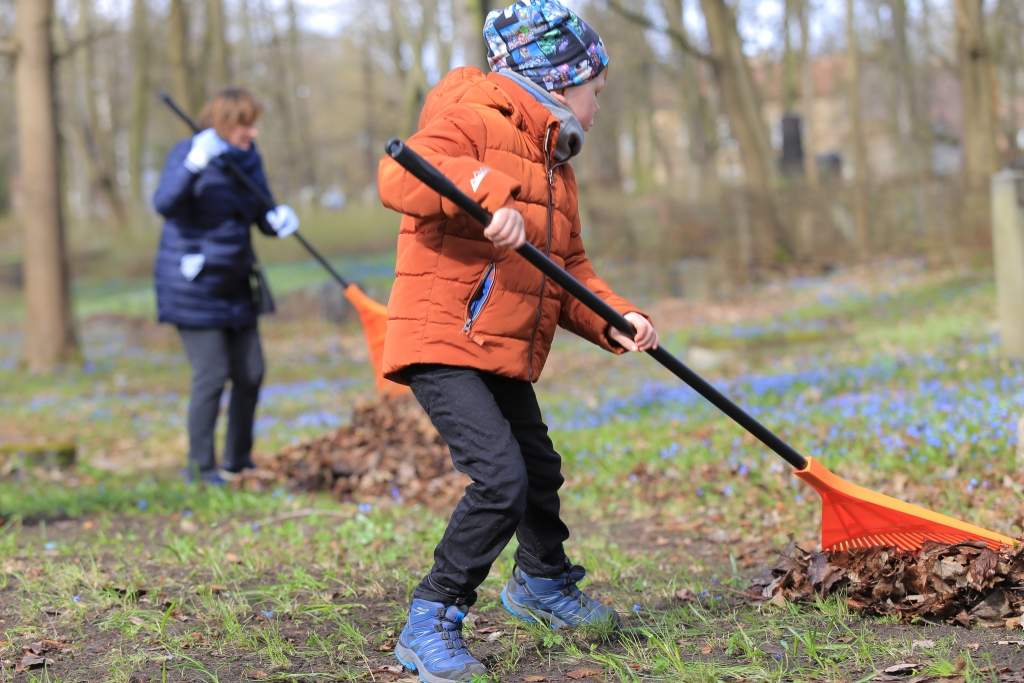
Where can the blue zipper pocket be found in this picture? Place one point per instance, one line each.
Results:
(479, 298)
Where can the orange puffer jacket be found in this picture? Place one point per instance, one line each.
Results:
(495, 142)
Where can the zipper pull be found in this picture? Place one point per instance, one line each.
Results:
(467, 325)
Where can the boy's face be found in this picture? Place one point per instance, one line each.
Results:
(582, 99)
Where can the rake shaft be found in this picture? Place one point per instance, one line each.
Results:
(852, 516)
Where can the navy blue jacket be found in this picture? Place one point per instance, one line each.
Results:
(207, 213)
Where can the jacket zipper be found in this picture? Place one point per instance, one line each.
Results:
(470, 316)
(549, 169)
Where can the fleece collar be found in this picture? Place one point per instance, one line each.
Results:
(570, 134)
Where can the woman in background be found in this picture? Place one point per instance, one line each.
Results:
(204, 272)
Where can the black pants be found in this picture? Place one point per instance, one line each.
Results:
(498, 438)
(217, 355)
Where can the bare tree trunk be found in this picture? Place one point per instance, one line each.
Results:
(371, 149)
(177, 55)
(807, 216)
(858, 141)
(790, 89)
(95, 127)
(446, 41)
(413, 33)
(741, 103)
(914, 129)
(974, 58)
(807, 96)
(641, 110)
(478, 11)
(1010, 57)
(140, 101)
(281, 90)
(702, 137)
(219, 62)
(246, 47)
(49, 330)
(299, 95)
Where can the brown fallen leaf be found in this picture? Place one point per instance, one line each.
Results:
(1006, 674)
(388, 673)
(577, 674)
(901, 669)
(534, 678)
(30, 662)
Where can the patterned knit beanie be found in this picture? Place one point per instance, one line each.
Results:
(544, 41)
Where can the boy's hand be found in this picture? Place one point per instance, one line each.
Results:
(506, 229)
(646, 337)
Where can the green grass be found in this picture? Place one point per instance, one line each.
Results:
(138, 573)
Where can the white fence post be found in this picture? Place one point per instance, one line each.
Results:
(1008, 243)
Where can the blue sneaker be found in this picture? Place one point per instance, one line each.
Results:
(431, 644)
(207, 477)
(556, 602)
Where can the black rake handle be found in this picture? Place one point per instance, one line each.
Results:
(250, 185)
(437, 181)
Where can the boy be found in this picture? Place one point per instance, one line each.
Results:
(470, 323)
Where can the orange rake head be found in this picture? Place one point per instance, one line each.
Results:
(374, 317)
(855, 517)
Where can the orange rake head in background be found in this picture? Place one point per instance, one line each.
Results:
(855, 517)
(374, 317)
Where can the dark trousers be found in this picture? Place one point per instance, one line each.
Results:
(498, 438)
(217, 355)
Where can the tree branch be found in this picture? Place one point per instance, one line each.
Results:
(677, 37)
(72, 45)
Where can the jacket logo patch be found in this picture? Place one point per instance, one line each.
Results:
(478, 178)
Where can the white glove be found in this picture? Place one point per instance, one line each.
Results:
(206, 146)
(283, 220)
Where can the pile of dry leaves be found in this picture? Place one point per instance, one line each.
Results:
(389, 450)
(965, 584)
